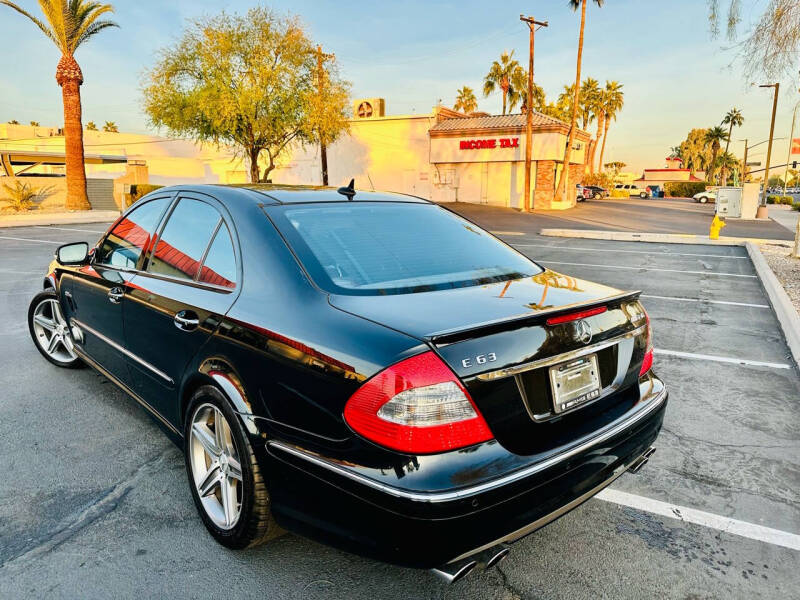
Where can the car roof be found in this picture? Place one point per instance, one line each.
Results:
(266, 193)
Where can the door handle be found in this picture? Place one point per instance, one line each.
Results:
(186, 320)
(115, 295)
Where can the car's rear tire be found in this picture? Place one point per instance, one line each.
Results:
(598, 196)
(224, 477)
(643, 195)
(50, 331)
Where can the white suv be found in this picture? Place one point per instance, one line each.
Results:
(633, 190)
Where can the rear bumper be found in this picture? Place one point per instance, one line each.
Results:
(335, 504)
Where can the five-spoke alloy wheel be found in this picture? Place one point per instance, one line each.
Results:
(50, 330)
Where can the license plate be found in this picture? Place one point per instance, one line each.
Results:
(574, 382)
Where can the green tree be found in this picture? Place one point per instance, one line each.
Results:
(35, 124)
(499, 76)
(714, 138)
(727, 163)
(613, 99)
(22, 197)
(240, 80)
(518, 92)
(589, 98)
(695, 151)
(110, 127)
(465, 100)
(615, 167)
(733, 118)
(90, 126)
(561, 190)
(68, 24)
(13, 122)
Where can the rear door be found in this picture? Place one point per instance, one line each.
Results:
(99, 291)
(190, 280)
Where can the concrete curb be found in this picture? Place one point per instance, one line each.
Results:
(66, 218)
(779, 299)
(664, 238)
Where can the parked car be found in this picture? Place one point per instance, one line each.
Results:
(369, 370)
(633, 189)
(705, 196)
(656, 191)
(597, 192)
(582, 193)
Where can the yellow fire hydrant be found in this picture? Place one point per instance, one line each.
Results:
(716, 225)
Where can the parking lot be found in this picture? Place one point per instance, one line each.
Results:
(95, 501)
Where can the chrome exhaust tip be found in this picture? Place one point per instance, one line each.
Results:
(497, 555)
(637, 464)
(452, 572)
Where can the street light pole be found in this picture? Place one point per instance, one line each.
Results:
(744, 163)
(532, 26)
(761, 213)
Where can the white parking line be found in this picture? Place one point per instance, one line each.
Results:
(630, 251)
(554, 262)
(723, 359)
(68, 229)
(679, 299)
(507, 232)
(5, 237)
(699, 517)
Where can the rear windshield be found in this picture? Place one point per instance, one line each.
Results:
(395, 248)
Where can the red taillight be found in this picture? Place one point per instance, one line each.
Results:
(576, 315)
(647, 363)
(417, 406)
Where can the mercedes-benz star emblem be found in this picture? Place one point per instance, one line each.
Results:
(582, 332)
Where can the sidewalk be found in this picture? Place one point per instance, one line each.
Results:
(58, 218)
(784, 215)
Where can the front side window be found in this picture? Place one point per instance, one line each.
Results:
(125, 243)
(184, 239)
(394, 248)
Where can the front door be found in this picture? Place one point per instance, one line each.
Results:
(98, 291)
(177, 301)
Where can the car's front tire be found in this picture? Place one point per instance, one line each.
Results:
(643, 195)
(703, 199)
(598, 196)
(224, 477)
(50, 331)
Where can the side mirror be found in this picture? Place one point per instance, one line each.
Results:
(73, 254)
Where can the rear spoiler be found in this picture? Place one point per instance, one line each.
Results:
(450, 336)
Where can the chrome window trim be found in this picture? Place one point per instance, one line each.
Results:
(586, 443)
(558, 358)
(124, 351)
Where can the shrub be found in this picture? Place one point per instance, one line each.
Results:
(684, 189)
(603, 180)
(787, 200)
(796, 206)
(140, 189)
(772, 199)
(21, 197)
(619, 193)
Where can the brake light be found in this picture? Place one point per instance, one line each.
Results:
(576, 315)
(647, 363)
(417, 406)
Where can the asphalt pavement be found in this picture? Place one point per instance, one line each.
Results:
(95, 501)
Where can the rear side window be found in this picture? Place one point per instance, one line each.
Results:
(219, 267)
(393, 248)
(125, 243)
(185, 237)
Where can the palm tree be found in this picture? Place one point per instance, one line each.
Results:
(714, 136)
(589, 97)
(562, 182)
(35, 124)
(613, 100)
(68, 24)
(466, 101)
(733, 118)
(499, 76)
(110, 127)
(91, 126)
(726, 163)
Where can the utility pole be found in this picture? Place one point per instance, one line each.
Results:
(744, 163)
(533, 25)
(323, 151)
(761, 213)
(789, 153)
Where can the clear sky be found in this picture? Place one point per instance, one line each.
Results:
(415, 53)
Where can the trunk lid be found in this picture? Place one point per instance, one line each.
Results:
(496, 338)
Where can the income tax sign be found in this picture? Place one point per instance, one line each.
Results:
(489, 143)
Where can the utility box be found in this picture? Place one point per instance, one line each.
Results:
(729, 202)
(750, 199)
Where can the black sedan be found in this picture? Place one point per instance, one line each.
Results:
(365, 369)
